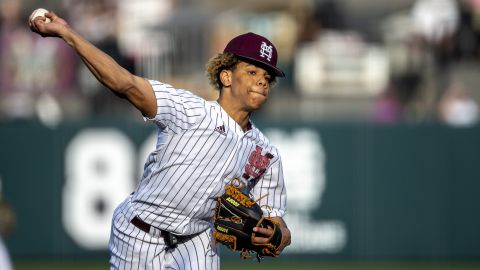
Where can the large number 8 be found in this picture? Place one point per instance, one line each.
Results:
(99, 169)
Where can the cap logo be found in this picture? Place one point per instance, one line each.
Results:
(266, 51)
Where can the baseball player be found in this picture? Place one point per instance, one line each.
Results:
(202, 145)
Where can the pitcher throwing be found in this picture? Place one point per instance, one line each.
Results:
(166, 223)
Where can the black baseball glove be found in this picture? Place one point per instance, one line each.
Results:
(235, 216)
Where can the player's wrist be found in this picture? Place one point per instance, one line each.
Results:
(69, 36)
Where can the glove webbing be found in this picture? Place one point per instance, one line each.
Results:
(239, 196)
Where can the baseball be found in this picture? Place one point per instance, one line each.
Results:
(39, 12)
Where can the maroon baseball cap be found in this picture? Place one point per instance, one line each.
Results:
(257, 49)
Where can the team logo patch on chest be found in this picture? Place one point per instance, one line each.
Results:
(257, 164)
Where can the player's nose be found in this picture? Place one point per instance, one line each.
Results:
(262, 81)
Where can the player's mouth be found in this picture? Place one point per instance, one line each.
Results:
(259, 92)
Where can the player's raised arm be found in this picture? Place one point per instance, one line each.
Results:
(135, 89)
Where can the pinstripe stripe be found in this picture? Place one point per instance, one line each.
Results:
(199, 149)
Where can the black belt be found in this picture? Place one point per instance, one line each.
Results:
(142, 225)
(171, 240)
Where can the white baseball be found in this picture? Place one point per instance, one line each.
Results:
(39, 12)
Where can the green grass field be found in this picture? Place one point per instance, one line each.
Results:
(269, 265)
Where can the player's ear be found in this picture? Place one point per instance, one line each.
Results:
(226, 77)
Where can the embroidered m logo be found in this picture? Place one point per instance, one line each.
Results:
(257, 164)
(266, 51)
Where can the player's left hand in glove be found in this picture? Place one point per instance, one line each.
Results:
(239, 224)
(263, 235)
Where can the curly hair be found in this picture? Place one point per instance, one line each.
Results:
(224, 61)
(218, 63)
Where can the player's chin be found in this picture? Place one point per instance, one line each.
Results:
(257, 103)
(257, 100)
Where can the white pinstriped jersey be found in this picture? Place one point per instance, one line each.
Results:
(200, 148)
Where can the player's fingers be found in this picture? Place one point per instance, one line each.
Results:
(264, 231)
(260, 240)
(262, 235)
(39, 23)
(52, 16)
(35, 23)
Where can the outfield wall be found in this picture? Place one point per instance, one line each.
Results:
(355, 191)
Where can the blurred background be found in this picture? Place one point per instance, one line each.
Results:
(377, 123)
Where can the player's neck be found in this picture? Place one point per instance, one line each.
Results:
(239, 115)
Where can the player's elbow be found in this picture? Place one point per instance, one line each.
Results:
(120, 82)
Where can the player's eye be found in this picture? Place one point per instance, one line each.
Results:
(252, 72)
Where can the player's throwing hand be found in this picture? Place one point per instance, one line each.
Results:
(53, 28)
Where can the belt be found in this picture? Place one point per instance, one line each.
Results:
(171, 240)
(142, 225)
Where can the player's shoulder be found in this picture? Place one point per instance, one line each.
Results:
(187, 98)
(175, 92)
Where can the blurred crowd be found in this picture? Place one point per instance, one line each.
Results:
(434, 65)
(411, 61)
